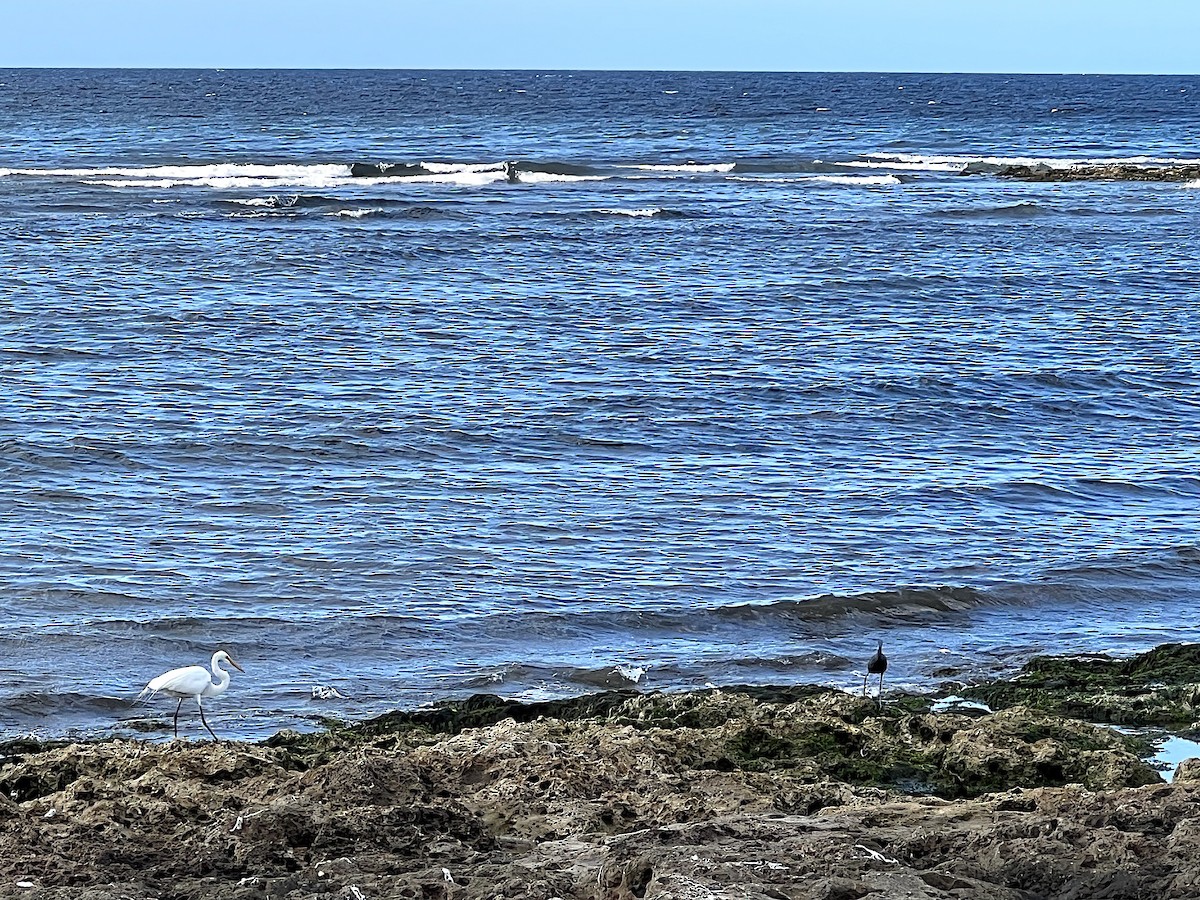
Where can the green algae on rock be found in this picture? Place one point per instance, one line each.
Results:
(609, 797)
(1158, 688)
(797, 791)
(1099, 172)
(811, 733)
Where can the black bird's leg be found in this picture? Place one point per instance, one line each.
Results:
(881, 689)
(205, 721)
(177, 706)
(865, 677)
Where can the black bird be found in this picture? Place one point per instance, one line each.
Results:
(876, 665)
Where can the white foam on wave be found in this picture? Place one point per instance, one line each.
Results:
(938, 163)
(686, 168)
(327, 692)
(466, 178)
(856, 180)
(550, 177)
(897, 166)
(354, 213)
(222, 183)
(1193, 184)
(462, 174)
(632, 674)
(197, 172)
(267, 177)
(440, 168)
(634, 213)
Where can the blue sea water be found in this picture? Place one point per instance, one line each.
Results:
(727, 377)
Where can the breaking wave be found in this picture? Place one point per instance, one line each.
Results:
(990, 164)
(617, 676)
(646, 213)
(904, 602)
(332, 205)
(273, 176)
(690, 168)
(197, 171)
(857, 180)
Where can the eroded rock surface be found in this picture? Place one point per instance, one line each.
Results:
(756, 793)
(1161, 687)
(1101, 172)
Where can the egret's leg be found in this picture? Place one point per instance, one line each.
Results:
(865, 677)
(204, 720)
(177, 706)
(881, 689)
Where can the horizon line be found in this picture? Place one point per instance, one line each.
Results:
(589, 70)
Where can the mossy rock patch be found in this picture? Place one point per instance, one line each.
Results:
(1160, 687)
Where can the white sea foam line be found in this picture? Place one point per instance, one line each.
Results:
(353, 213)
(635, 213)
(863, 180)
(632, 674)
(685, 167)
(438, 168)
(1051, 162)
(465, 178)
(546, 177)
(196, 172)
(902, 166)
(1193, 184)
(225, 183)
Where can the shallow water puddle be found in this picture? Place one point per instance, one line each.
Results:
(1169, 750)
(1172, 752)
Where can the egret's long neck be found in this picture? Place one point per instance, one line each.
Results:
(222, 678)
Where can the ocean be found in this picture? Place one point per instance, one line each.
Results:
(407, 385)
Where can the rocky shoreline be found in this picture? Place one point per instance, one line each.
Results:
(1094, 172)
(755, 792)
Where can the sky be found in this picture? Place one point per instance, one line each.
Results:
(1092, 36)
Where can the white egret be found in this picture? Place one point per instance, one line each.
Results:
(192, 681)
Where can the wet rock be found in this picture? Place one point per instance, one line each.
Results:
(1102, 172)
(1161, 687)
(1189, 770)
(386, 170)
(794, 792)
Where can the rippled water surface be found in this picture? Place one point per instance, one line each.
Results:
(720, 379)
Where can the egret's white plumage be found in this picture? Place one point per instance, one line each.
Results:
(192, 681)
